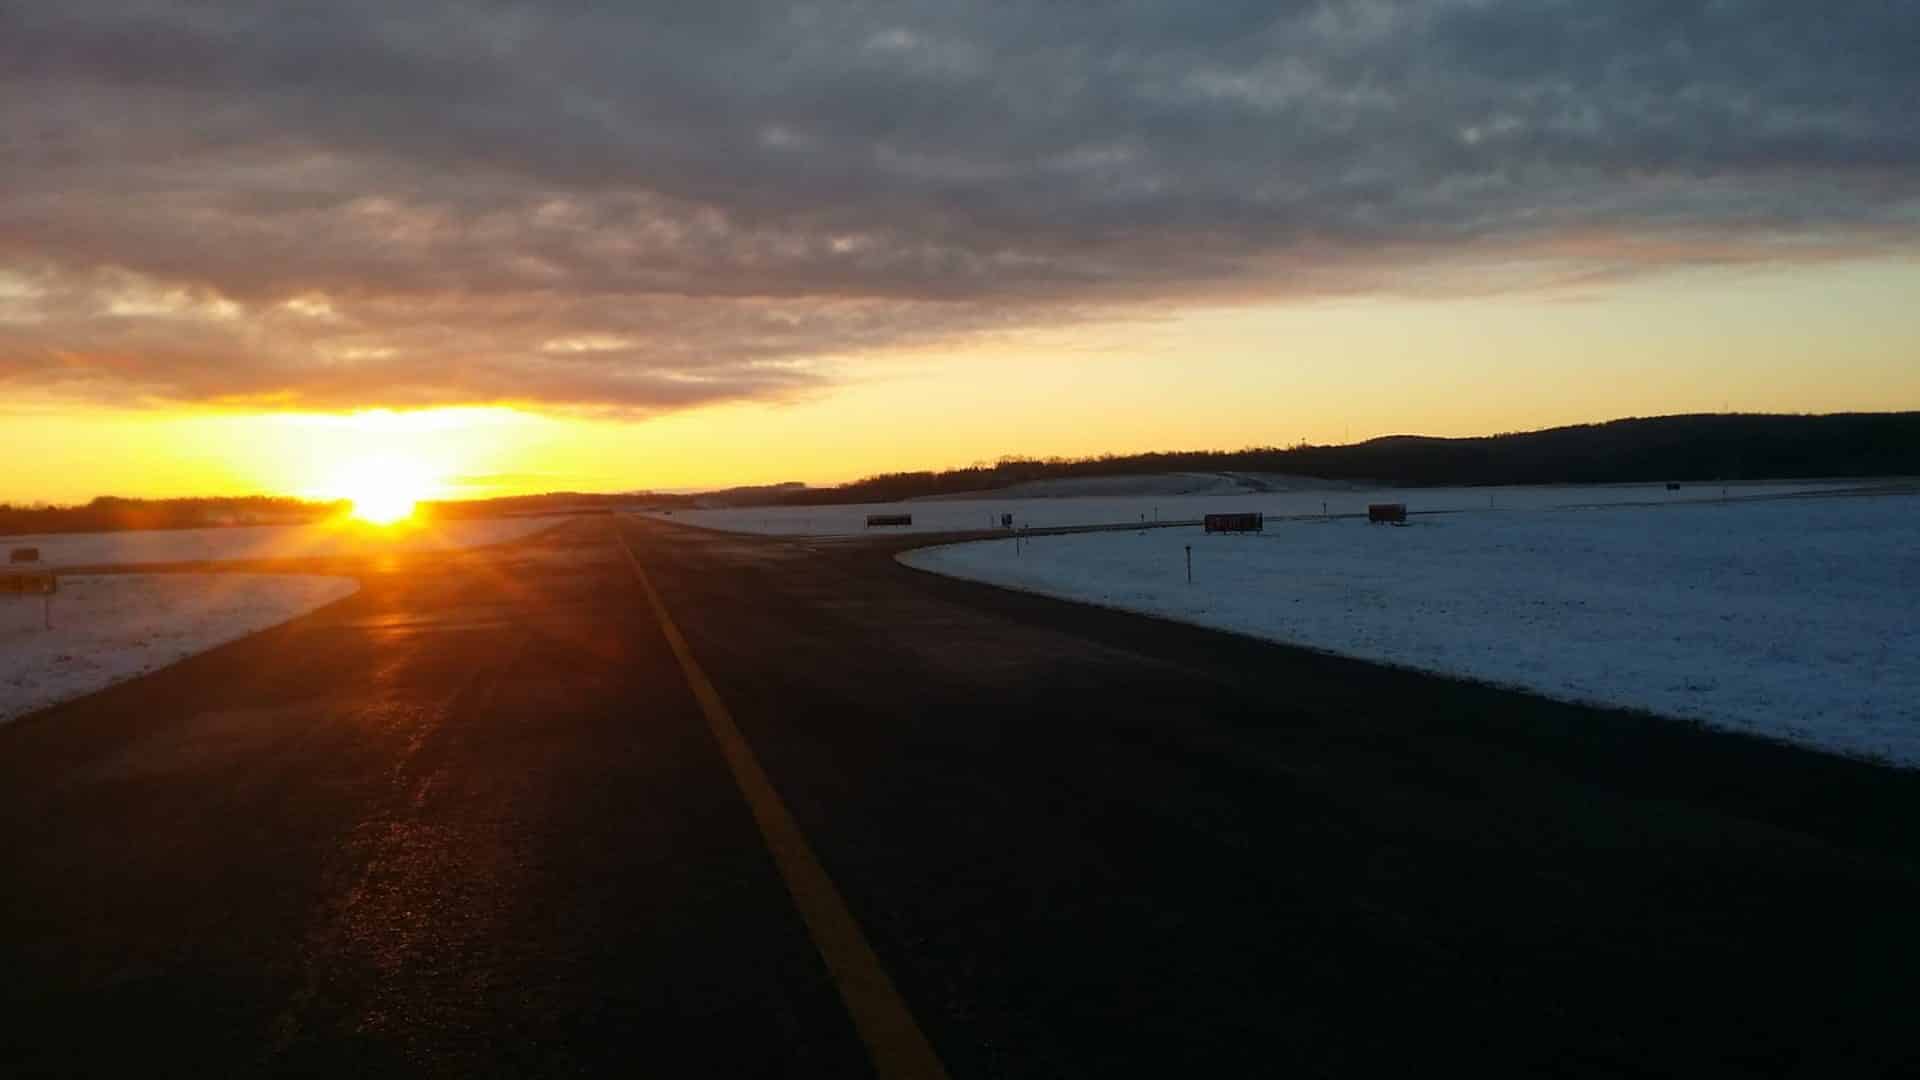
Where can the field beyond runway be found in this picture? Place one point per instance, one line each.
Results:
(1790, 618)
(473, 820)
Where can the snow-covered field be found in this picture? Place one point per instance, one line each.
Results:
(1788, 618)
(269, 541)
(950, 515)
(111, 627)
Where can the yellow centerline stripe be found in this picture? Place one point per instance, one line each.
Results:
(894, 1040)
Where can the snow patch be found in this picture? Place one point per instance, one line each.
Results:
(111, 627)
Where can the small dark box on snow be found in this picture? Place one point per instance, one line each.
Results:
(1235, 522)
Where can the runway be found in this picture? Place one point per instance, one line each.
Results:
(481, 819)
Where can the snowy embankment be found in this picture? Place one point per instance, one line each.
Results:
(270, 541)
(967, 514)
(1792, 618)
(111, 627)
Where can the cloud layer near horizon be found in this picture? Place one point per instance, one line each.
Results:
(650, 206)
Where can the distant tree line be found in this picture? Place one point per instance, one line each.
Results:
(1675, 448)
(110, 513)
(1672, 448)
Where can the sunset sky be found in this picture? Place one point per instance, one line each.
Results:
(517, 248)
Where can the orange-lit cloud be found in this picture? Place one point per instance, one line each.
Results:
(653, 207)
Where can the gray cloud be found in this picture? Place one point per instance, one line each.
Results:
(653, 206)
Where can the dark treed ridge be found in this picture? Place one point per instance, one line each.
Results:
(1684, 448)
(110, 513)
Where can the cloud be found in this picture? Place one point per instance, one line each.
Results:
(653, 206)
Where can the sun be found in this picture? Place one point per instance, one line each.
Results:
(383, 491)
(383, 507)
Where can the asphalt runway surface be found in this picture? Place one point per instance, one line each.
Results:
(480, 819)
